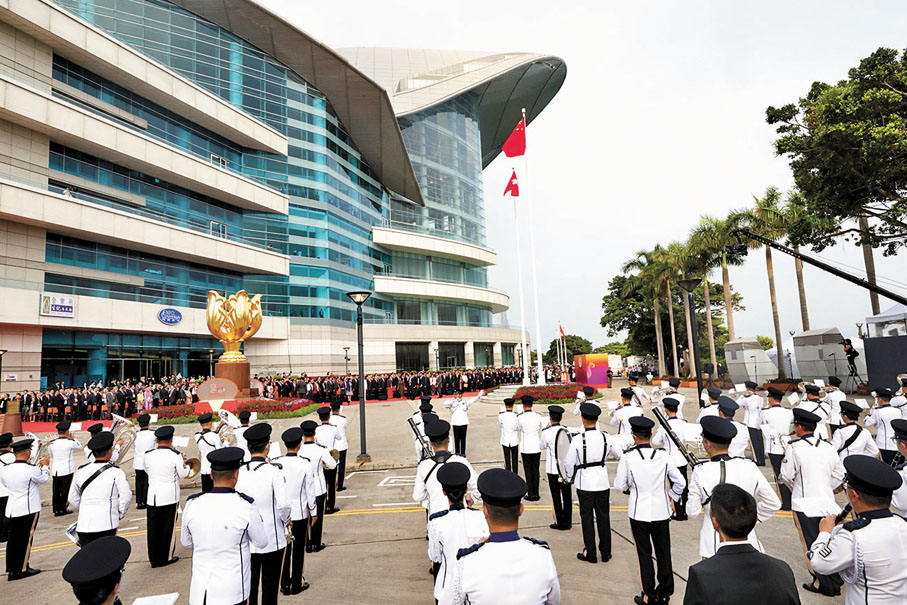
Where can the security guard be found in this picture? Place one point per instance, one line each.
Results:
(452, 529)
(299, 474)
(245, 417)
(207, 441)
(727, 407)
(6, 458)
(641, 473)
(711, 406)
(811, 465)
(322, 460)
(427, 490)
(881, 417)
(899, 499)
(264, 482)
(561, 491)
(528, 574)
(717, 434)
(530, 426)
(23, 480)
(165, 468)
(221, 526)
(97, 429)
(327, 435)
(510, 435)
(867, 552)
(100, 492)
(775, 423)
(752, 407)
(851, 438)
(343, 446)
(678, 459)
(144, 442)
(96, 569)
(63, 466)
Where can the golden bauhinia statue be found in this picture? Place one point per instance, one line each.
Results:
(232, 320)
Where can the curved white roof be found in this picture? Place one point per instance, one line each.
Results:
(417, 79)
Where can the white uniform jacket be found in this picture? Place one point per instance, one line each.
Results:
(899, 499)
(621, 417)
(585, 461)
(639, 395)
(547, 442)
(240, 435)
(106, 499)
(144, 442)
(448, 532)
(529, 576)
(834, 399)
(661, 439)
(710, 409)
(327, 435)
(207, 442)
(578, 405)
(428, 491)
(22, 481)
(752, 409)
(776, 421)
(299, 477)
(61, 450)
(321, 458)
(642, 470)
(737, 448)
(740, 472)
(846, 444)
(813, 467)
(531, 424)
(458, 407)
(165, 468)
(510, 428)
(340, 421)
(881, 417)
(6, 458)
(265, 483)
(820, 408)
(220, 526)
(869, 554)
(89, 455)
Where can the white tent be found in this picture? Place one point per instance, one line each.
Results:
(890, 322)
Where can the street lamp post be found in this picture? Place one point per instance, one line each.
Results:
(210, 363)
(359, 298)
(689, 285)
(438, 358)
(346, 359)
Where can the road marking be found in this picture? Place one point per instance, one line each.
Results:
(395, 481)
(339, 497)
(128, 528)
(396, 504)
(348, 475)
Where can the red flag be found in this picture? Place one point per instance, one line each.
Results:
(516, 143)
(513, 187)
(562, 330)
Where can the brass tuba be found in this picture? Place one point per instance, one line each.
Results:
(39, 449)
(224, 430)
(195, 466)
(123, 430)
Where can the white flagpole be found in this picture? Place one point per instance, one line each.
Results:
(535, 287)
(519, 272)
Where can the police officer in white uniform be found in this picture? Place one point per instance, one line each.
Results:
(22, 480)
(95, 571)
(812, 466)
(427, 490)
(775, 423)
(327, 435)
(510, 435)
(424, 412)
(620, 417)
(96, 429)
(144, 442)
(834, 396)
(641, 473)
(299, 474)
(239, 433)
(867, 552)
(531, 425)
(165, 468)
(710, 407)
(678, 427)
(727, 407)
(752, 407)
(264, 481)
(851, 438)
(818, 406)
(899, 499)
(343, 446)
(63, 466)
(505, 568)
(585, 463)
(6, 458)
(452, 529)
(561, 491)
(207, 441)
(100, 492)
(639, 393)
(880, 417)
(221, 526)
(322, 459)
(459, 419)
(717, 434)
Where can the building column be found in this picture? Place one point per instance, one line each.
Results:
(433, 360)
(22, 360)
(469, 355)
(497, 355)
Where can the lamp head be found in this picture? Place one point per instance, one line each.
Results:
(689, 284)
(359, 297)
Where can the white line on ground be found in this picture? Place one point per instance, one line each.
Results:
(396, 504)
(348, 475)
(128, 528)
(139, 519)
(338, 497)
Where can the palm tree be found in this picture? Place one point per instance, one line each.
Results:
(795, 212)
(702, 260)
(646, 264)
(766, 218)
(716, 234)
(678, 261)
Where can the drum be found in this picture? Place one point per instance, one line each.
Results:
(561, 447)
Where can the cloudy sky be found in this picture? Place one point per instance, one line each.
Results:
(661, 119)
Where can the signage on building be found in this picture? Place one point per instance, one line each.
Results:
(169, 316)
(11, 378)
(55, 305)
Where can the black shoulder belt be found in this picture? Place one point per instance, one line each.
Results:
(851, 439)
(439, 460)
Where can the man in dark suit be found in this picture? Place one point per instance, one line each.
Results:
(738, 573)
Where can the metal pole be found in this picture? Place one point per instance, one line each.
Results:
(363, 457)
(695, 329)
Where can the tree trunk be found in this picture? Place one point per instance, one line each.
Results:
(729, 312)
(673, 334)
(801, 288)
(708, 323)
(870, 263)
(690, 344)
(779, 346)
(659, 340)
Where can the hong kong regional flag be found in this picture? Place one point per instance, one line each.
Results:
(516, 143)
(513, 187)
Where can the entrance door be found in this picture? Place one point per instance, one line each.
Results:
(412, 356)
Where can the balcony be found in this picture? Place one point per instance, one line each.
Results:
(417, 288)
(412, 241)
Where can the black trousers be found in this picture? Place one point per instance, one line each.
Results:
(810, 528)
(888, 455)
(87, 537)
(511, 458)
(266, 569)
(531, 471)
(315, 531)
(459, 434)
(341, 469)
(783, 490)
(648, 535)
(593, 506)
(161, 520)
(562, 498)
(18, 547)
(758, 445)
(4, 522)
(680, 508)
(294, 560)
(207, 483)
(141, 488)
(60, 493)
(330, 478)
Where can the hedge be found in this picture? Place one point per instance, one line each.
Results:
(268, 409)
(553, 394)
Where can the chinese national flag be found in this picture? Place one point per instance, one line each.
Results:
(516, 143)
(513, 187)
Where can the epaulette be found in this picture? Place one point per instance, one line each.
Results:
(152, 449)
(277, 464)
(521, 413)
(466, 551)
(86, 464)
(192, 496)
(858, 523)
(174, 450)
(438, 514)
(341, 415)
(794, 440)
(541, 543)
(245, 497)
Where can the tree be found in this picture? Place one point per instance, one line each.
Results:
(765, 342)
(576, 345)
(653, 278)
(678, 260)
(794, 214)
(614, 348)
(715, 235)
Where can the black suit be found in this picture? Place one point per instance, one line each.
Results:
(740, 574)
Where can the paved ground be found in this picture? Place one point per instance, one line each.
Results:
(377, 551)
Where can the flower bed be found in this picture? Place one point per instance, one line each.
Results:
(553, 394)
(268, 409)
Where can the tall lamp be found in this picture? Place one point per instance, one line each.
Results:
(689, 285)
(346, 359)
(359, 298)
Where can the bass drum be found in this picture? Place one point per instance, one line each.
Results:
(561, 447)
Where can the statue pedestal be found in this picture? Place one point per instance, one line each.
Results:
(238, 372)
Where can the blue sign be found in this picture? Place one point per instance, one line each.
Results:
(171, 317)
